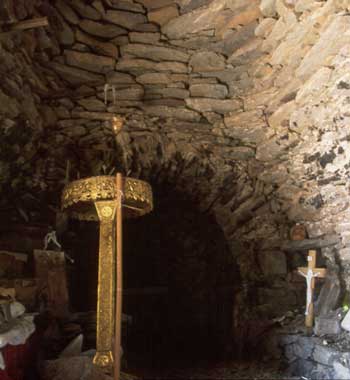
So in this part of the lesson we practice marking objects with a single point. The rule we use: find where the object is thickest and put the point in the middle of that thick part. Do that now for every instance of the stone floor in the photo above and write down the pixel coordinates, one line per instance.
(220, 371)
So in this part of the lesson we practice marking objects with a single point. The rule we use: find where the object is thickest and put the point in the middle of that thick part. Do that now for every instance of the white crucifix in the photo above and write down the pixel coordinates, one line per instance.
(310, 273)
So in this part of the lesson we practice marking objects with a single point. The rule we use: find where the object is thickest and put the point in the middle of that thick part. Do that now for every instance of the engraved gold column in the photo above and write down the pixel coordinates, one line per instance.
(95, 199)
(106, 279)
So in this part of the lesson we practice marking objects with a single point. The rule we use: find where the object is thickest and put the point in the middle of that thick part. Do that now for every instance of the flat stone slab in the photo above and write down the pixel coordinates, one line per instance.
(206, 61)
(74, 75)
(125, 19)
(177, 113)
(98, 47)
(91, 62)
(101, 30)
(325, 241)
(155, 53)
(214, 105)
(217, 91)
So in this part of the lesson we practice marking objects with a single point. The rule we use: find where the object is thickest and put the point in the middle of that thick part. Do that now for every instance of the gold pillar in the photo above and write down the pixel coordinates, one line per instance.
(106, 284)
(95, 199)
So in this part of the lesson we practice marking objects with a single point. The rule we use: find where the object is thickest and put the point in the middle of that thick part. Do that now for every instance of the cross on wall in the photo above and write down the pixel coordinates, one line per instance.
(310, 273)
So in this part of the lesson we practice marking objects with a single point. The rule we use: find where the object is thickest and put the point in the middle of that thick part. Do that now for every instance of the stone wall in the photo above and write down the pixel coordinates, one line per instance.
(314, 357)
(243, 105)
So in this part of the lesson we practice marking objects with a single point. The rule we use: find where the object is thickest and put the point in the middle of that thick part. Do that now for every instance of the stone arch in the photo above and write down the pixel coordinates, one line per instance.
(267, 149)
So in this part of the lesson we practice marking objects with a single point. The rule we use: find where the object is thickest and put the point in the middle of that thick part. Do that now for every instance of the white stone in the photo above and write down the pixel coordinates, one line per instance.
(331, 41)
(268, 8)
(341, 372)
(265, 27)
(16, 309)
(314, 86)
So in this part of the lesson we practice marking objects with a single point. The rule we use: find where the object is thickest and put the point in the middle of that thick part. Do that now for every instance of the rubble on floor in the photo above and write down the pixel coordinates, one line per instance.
(321, 353)
(76, 368)
(317, 358)
(227, 370)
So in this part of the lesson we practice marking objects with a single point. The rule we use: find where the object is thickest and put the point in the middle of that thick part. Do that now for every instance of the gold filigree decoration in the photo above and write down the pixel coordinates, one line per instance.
(96, 198)
(103, 360)
(106, 284)
(78, 196)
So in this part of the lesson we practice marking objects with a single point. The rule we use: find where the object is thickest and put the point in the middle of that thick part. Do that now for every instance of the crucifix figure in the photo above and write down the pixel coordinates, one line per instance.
(310, 273)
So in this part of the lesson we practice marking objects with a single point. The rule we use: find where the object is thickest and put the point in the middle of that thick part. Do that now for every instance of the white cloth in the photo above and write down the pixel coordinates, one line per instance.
(17, 333)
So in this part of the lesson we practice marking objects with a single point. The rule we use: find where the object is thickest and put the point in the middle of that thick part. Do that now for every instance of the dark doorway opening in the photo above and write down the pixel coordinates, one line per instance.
(179, 281)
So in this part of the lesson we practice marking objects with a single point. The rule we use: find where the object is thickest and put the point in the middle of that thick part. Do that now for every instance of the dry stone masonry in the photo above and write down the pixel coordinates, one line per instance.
(241, 104)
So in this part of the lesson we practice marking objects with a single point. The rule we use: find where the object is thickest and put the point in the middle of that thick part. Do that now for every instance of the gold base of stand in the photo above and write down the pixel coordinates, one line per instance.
(103, 359)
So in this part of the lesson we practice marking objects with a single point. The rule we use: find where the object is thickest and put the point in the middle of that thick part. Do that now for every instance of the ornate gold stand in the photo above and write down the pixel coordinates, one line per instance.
(96, 199)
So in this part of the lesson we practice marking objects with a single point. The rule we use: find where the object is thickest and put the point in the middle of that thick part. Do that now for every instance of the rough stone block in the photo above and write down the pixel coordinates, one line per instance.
(305, 367)
(156, 53)
(324, 355)
(92, 104)
(322, 372)
(214, 105)
(126, 5)
(177, 113)
(115, 77)
(190, 5)
(169, 92)
(341, 372)
(64, 33)
(345, 324)
(218, 91)
(207, 61)
(163, 15)
(67, 12)
(74, 75)
(273, 262)
(249, 127)
(268, 8)
(98, 47)
(125, 19)
(134, 92)
(303, 347)
(329, 296)
(139, 66)
(101, 30)
(330, 42)
(144, 37)
(85, 10)
(90, 62)
(153, 78)
(72, 369)
(154, 4)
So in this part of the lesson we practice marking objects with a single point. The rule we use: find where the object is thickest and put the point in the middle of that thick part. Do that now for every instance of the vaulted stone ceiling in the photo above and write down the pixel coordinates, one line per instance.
(242, 104)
